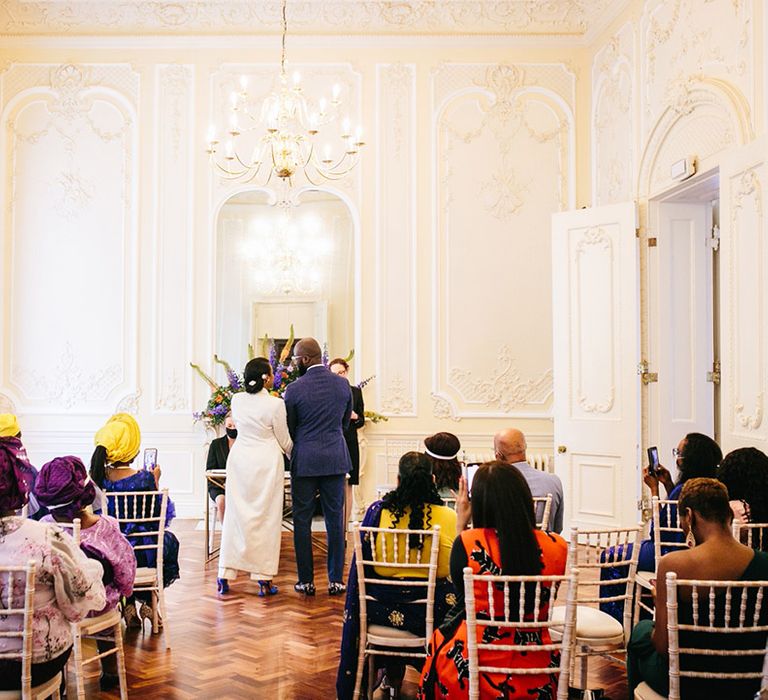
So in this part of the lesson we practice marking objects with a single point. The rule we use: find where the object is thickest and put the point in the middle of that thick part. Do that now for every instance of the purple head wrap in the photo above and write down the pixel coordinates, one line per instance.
(64, 487)
(17, 475)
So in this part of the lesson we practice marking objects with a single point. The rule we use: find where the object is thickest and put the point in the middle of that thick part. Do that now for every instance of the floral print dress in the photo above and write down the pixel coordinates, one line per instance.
(67, 585)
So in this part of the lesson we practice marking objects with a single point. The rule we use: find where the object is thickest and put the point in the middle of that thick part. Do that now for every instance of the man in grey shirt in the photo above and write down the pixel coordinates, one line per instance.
(510, 447)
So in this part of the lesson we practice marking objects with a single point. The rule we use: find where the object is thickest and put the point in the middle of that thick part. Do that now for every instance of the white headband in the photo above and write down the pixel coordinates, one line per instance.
(445, 457)
(69, 503)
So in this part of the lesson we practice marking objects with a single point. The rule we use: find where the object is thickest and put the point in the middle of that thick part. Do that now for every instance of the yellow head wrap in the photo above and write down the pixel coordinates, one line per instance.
(9, 426)
(121, 437)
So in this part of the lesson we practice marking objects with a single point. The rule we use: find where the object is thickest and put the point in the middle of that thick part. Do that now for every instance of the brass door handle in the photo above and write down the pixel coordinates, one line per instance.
(562, 449)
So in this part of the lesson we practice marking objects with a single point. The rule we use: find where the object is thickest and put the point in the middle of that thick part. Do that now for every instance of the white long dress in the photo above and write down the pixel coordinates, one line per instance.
(250, 539)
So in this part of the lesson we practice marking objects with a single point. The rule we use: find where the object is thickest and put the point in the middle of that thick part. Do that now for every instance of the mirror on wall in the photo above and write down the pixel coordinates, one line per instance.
(283, 265)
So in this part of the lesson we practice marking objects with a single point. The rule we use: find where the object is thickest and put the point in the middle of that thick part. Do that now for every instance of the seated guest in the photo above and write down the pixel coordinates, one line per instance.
(443, 451)
(510, 447)
(10, 431)
(117, 445)
(64, 487)
(715, 555)
(67, 584)
(413, 505)
(697, 456)
(504, 540)
(745, 474)
(218, 451)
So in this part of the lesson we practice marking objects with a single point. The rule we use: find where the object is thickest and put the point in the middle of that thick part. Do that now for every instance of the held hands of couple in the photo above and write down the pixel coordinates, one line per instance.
(463, 506)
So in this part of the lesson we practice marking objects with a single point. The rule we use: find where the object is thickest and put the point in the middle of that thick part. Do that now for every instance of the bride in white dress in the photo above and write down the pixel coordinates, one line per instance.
(250, 539)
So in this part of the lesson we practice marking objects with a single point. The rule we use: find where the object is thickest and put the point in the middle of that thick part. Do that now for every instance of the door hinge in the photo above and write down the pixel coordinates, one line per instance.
(714, 375)
(714, 240)
(645, 376)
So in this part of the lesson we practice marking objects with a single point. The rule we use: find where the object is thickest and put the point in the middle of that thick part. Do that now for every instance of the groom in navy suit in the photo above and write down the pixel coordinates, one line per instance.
(318, 404)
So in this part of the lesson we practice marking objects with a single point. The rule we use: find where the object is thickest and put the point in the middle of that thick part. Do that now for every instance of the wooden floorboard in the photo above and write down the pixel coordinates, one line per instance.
(284, 647)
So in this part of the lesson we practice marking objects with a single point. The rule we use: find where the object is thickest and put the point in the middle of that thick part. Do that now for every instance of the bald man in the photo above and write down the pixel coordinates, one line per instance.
(510, 447)
(318, 406)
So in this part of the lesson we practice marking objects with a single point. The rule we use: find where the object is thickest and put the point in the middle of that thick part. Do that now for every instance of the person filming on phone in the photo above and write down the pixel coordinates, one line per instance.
(510, 447)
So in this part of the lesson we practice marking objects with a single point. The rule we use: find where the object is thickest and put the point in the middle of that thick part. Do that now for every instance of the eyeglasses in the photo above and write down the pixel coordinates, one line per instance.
(295, 358)
(677, 453)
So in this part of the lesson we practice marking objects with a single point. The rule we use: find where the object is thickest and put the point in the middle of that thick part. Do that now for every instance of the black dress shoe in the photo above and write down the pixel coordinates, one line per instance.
(107, 681)
(305, 588)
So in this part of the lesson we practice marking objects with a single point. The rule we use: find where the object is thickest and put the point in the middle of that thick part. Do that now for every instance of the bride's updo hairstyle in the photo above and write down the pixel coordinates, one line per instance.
(256, 371)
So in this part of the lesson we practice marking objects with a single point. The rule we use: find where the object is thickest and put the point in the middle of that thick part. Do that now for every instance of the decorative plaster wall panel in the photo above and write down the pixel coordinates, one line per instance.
(71, 144)
(747, 293)
(174, 241)
(492, 123)
(614, 119)
(683, 40)
(396, 239)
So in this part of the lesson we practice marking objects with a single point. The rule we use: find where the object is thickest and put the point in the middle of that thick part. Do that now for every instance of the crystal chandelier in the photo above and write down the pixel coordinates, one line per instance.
(283, 132)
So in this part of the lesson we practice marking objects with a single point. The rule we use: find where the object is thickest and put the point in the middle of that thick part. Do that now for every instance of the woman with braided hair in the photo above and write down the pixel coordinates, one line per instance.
(414, 505)
(745, 474)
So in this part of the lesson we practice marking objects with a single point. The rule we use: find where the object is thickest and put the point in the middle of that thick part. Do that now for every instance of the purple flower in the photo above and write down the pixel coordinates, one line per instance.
(365, 381)
(273, 357)
(220, 410)
(234, 380)
(326, 359)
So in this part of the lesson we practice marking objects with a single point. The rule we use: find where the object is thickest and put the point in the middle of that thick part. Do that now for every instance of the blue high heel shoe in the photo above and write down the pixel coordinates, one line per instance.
(266, 588)
(222, 586)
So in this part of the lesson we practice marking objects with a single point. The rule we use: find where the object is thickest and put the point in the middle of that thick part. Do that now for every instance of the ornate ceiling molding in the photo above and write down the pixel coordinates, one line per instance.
(557, 18)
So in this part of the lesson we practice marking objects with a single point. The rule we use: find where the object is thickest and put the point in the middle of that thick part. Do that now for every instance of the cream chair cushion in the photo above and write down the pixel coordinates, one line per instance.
(645, 692)
(593, 627)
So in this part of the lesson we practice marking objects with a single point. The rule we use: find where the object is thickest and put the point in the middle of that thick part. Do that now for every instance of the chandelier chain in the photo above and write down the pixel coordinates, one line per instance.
(285, 31)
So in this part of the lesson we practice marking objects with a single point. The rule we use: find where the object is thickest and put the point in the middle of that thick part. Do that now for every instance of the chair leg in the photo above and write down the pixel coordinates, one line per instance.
(120, 653)
(371, 676)
(584, 668)
(164, 614)
(77, 649)
(359, 673)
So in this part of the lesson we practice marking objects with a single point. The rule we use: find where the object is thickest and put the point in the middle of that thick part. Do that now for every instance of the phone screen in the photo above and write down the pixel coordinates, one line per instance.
(469, 471)
(150, 458)
(653, 459)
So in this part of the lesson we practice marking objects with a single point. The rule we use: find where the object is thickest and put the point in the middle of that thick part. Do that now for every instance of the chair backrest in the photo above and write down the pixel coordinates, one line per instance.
(13, 579)
(538, 460)
(146, 510)
(543, 505)
(389, 547)
(521, 601)
(722, 609)
(72, 528)
(665, 523)
(606, 549)
(754, 535)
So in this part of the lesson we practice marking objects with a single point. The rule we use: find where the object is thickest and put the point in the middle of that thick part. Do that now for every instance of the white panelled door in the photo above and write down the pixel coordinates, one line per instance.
(683, 335)
(744, 296)
(596, 351)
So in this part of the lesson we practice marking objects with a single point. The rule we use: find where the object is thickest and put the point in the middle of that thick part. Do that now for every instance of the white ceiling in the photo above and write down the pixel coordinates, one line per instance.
(551, 18)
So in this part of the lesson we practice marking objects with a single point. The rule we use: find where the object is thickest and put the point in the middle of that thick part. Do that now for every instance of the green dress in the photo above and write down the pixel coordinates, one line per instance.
(644, 663)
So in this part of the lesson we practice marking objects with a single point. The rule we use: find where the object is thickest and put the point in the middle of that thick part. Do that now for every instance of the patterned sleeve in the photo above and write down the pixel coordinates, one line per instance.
(76, 579)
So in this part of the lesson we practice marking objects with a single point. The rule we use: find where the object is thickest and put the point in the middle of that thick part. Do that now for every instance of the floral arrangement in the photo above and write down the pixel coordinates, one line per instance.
(285, 372)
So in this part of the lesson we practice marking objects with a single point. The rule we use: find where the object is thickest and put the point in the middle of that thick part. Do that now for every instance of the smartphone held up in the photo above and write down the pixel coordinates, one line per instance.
(653, 460)
(150, 458)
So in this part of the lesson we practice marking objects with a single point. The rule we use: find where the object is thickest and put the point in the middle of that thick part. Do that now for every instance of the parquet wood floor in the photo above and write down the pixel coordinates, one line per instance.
(284, 647)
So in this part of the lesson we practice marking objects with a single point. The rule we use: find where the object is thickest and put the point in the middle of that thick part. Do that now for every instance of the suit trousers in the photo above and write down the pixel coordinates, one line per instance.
(303, 490)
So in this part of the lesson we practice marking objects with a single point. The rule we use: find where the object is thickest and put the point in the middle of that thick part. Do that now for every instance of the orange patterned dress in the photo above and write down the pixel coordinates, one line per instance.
(446, 670)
